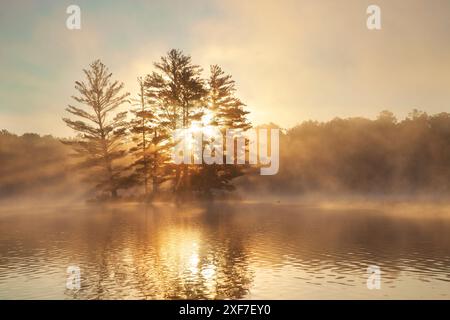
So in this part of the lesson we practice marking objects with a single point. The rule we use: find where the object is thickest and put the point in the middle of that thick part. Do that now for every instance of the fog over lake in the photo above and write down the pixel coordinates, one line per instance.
(223, 250)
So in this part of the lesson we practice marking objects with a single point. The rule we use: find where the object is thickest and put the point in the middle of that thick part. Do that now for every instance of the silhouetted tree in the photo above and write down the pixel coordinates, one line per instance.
(142, 126)
(226, 112)
(178, 89)
(102, 131)
(152, 142)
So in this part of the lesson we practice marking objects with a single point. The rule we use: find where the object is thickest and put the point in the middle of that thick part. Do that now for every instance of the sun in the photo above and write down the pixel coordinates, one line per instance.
(204, 124)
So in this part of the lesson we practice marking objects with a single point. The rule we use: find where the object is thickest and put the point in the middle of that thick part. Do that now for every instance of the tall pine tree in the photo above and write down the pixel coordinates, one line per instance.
(101, 129)
(226, 112)
(150, 127)
(141, 126)
(177, 87)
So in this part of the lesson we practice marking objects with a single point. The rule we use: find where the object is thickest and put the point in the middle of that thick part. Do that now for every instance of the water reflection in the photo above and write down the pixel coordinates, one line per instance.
(221, 251)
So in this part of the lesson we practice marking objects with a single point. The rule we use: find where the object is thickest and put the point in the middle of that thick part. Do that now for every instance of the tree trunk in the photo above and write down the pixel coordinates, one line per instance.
(155, 185)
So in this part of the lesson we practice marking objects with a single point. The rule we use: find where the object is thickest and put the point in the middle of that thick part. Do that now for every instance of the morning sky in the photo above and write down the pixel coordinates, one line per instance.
(292, 60)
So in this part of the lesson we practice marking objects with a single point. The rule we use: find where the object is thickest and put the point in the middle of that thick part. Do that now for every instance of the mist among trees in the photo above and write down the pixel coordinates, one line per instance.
(379, 157)
(123, 144)
(174, 96)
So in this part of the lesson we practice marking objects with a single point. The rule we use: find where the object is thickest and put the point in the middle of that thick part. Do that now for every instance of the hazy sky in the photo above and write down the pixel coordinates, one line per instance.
(292, 60)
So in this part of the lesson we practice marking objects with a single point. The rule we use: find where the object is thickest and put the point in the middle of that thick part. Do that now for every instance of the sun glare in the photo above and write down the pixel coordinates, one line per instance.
(204, 125)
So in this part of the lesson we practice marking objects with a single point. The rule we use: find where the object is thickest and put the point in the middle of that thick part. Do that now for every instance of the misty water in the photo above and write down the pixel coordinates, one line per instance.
(248, 250)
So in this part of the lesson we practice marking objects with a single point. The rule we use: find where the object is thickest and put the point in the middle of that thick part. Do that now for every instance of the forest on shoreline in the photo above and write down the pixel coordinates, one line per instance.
(123, 145)
(343, 156)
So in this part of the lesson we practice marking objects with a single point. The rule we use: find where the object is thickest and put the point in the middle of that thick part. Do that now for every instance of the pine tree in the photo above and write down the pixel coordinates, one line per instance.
(178, 89)
(152, 142)
(160, 151)
(226, 112)
(141, 126)
(102, 130)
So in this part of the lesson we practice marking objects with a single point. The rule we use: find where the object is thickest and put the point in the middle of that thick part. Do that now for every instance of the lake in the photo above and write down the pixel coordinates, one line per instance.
(222, 251)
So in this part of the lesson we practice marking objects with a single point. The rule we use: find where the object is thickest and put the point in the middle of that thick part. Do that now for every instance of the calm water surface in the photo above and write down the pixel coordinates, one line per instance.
(255, 251)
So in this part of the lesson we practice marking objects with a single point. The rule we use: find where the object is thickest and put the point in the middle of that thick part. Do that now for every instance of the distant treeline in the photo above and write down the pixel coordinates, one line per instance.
(355, 155)
(362, 156)
(34, 165)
